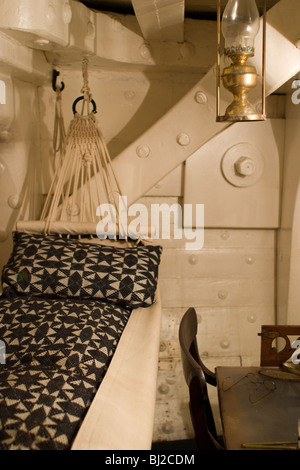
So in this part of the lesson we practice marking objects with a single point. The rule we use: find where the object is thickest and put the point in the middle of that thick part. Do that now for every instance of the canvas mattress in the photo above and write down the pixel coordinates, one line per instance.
(64, 307)
(57, 353)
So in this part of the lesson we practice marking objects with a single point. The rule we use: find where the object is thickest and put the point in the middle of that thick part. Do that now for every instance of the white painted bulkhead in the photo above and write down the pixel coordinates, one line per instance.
(156, 110)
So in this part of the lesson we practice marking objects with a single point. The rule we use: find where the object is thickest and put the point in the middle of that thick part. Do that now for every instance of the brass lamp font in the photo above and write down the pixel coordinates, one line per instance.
(240, 25)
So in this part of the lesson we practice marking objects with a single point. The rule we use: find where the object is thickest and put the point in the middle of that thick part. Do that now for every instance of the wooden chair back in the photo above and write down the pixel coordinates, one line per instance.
(200, 408)
(272, 355)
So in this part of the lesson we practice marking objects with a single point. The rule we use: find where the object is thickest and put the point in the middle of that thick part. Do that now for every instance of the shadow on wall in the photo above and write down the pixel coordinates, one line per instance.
(19, 200)
(164, 90)
(20, 165)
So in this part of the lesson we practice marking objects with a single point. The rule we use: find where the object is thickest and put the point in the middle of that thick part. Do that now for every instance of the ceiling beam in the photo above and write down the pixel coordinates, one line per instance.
(160, 20)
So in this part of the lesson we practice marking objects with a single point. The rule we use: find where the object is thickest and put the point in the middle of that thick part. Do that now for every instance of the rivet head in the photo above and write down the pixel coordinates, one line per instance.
(250, 260)
(143, 151)
(200, 97)
(145, 51)
(14, 201)
(163, 389)
(183, 139)
(167, 428)
(222, 294)
(251, 318)
(225, 235)
(224, 344)
(193, 259)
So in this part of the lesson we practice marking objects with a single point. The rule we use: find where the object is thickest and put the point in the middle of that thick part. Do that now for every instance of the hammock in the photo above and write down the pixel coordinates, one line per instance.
(84, 181)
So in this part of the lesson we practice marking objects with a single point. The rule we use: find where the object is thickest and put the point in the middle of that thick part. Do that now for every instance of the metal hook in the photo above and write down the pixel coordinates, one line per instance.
(55, 74)
(82, 98)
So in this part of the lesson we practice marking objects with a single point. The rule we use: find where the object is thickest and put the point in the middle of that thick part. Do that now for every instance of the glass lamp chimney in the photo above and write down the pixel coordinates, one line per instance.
(240, 25)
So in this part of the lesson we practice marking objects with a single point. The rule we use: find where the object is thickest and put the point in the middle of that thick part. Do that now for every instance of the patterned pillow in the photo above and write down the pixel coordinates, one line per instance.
(57, 267)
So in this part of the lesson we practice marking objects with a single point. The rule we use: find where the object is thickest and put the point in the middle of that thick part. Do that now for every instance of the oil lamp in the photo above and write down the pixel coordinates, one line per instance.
(240, 25)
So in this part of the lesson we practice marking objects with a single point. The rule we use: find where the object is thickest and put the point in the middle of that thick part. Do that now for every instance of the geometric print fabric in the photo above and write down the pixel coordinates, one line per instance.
(57, 267)
(57, 353)
(41, 408)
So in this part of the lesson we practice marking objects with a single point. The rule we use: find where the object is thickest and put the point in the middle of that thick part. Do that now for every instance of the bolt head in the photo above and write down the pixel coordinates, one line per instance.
(244, 166)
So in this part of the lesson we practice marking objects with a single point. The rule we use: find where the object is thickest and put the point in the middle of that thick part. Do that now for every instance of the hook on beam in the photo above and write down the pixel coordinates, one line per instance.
(55, 74)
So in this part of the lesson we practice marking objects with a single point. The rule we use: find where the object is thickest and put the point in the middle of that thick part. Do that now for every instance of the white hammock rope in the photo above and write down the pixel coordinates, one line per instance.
(59, 133)
(85, 179)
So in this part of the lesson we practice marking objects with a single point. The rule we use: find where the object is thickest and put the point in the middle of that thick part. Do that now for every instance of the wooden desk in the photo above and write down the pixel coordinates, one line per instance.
(273, 415)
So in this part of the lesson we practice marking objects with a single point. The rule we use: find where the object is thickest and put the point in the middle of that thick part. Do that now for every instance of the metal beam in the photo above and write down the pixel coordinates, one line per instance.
(192, 121)
(160, 20)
